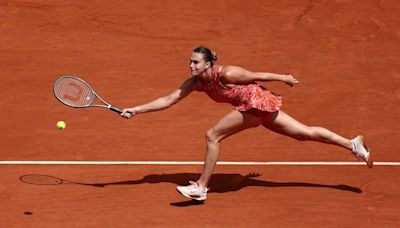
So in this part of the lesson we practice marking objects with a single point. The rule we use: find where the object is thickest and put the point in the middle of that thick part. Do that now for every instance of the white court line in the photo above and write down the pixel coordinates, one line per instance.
(192, 163)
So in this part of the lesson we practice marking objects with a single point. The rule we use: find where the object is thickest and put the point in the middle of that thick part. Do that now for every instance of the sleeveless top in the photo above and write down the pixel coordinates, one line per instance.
(244, 97)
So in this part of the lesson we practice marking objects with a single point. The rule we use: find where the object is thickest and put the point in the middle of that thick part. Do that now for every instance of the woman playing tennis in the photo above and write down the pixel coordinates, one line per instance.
(254, 104)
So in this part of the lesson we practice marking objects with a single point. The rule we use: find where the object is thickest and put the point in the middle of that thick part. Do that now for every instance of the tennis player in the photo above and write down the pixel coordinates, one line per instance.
(255, 106)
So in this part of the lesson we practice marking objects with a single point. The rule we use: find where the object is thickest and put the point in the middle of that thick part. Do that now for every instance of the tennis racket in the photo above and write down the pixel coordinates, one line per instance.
(76, 93)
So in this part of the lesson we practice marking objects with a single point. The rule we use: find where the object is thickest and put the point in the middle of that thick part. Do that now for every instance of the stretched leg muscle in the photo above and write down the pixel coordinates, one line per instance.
(286, 125)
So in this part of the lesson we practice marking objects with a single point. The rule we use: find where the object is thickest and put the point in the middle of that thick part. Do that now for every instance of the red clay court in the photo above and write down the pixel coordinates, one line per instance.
(346, 55)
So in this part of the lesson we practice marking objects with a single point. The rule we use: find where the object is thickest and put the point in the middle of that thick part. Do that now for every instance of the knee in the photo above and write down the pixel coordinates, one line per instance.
(212, 136)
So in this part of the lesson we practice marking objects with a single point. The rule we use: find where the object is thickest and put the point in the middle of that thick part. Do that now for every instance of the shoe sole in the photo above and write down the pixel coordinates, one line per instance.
(369, 161)
(191, 197)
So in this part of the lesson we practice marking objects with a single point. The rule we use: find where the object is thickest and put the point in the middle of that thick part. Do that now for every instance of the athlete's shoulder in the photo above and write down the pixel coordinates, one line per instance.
(194, 83)
(228, 71)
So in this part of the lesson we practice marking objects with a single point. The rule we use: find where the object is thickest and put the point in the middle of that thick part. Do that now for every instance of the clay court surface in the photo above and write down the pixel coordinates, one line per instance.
(346, 55)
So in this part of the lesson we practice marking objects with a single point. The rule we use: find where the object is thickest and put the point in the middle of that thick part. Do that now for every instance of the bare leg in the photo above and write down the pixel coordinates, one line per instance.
(284, 124)
(279, 122)
(230, 124)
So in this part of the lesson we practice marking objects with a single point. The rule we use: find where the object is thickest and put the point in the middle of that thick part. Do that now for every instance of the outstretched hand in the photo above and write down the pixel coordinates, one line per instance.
(128, 113)
(290, 80)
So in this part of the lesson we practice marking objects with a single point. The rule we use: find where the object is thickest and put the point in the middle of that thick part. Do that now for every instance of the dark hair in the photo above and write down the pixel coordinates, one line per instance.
(209, 56)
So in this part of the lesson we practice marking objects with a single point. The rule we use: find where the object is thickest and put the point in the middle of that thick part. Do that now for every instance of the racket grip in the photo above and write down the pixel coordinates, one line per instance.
(115, 109)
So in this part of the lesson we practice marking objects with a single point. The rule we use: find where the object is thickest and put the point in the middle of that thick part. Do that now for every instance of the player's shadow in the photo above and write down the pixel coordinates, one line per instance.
(220, 183)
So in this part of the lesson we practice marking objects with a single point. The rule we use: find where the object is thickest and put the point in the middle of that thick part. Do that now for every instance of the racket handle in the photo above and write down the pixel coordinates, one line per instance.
(115, 109)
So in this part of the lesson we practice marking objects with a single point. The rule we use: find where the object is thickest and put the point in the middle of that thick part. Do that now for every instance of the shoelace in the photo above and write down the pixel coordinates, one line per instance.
(195, 187)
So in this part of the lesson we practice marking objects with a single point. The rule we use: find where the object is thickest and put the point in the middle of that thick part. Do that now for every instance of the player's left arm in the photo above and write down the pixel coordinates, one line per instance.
(239, 75)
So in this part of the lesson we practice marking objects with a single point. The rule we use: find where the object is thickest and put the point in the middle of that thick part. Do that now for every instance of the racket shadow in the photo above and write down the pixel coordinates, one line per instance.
(41, 179)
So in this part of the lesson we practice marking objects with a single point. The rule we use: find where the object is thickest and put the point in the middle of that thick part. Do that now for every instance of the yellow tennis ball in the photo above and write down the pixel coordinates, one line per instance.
(61, 125)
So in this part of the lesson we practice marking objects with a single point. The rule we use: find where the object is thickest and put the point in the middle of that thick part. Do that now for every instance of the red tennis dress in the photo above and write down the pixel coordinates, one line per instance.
(244, 97)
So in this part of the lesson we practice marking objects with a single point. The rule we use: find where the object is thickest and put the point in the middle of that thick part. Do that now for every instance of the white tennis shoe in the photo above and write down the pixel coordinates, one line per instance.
(193, 191)
(361, 150)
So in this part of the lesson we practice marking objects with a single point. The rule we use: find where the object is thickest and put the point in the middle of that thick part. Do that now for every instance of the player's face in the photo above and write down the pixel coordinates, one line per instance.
(198, 66)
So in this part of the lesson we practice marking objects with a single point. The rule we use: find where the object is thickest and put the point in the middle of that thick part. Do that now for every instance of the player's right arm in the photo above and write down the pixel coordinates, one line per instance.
(163, 102)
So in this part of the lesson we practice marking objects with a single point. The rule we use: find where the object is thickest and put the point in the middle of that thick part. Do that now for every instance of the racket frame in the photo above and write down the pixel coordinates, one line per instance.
(105, 104)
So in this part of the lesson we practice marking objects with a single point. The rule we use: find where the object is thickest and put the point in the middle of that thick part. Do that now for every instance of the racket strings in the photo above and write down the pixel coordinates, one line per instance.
(73, 92)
